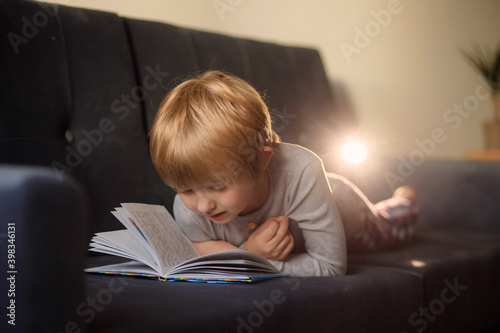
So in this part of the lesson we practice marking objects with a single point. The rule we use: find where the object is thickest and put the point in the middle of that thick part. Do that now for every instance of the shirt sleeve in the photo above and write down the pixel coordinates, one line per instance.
(310, 203)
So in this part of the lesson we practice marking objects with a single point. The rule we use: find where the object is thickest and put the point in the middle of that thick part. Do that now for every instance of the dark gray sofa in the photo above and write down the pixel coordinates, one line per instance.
(78, 92)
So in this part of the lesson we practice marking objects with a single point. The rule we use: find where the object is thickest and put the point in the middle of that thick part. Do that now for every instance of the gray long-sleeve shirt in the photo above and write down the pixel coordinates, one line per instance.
(299, 190)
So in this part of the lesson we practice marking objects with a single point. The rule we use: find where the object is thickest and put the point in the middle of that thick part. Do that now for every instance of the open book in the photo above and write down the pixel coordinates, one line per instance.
(159, 249)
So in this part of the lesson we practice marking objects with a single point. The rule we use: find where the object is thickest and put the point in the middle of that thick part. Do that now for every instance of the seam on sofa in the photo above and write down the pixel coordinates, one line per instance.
(245, 58)
(135, 64)
(188, 33)
(66, 65)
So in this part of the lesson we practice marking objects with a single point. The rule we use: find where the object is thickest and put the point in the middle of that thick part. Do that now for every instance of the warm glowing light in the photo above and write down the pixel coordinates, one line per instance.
(417, 263)
(354, 152)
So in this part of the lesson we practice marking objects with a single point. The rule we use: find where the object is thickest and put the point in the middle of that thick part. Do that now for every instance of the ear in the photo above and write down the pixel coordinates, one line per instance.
(268, 154)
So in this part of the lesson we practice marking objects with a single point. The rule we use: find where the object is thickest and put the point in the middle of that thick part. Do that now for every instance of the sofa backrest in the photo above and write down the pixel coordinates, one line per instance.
(79, 90)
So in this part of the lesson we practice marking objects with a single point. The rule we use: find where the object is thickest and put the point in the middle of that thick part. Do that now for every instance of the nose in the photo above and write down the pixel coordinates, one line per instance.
(204, 204)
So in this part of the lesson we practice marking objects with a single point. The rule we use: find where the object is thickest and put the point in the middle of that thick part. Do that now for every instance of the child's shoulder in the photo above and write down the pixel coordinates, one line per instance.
(288, 155)
(291, 150)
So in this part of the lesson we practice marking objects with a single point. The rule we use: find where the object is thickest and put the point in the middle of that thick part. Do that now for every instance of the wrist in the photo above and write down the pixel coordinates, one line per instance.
(213, 246)
(250, 248)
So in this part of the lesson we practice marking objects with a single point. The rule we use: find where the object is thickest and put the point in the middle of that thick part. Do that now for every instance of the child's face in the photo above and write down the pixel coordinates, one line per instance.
(221, 202)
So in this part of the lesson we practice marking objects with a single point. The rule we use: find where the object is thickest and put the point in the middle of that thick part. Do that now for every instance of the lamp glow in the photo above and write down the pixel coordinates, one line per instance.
(354, 152)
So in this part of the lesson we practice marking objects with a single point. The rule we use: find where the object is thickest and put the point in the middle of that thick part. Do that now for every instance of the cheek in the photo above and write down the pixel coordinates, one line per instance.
(237, 200)
(188, 202)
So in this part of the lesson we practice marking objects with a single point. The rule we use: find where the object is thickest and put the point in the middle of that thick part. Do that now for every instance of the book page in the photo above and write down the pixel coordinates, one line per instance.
(129, 267)
(228, 262)
(121, 214)
(124, 244)
(170, 244)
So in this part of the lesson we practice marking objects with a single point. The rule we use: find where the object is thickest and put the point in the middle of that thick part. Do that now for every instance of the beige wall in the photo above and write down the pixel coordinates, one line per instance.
(404, 75)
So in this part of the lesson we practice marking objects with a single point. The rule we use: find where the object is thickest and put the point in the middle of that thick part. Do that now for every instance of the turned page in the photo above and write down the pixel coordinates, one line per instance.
(170, 245)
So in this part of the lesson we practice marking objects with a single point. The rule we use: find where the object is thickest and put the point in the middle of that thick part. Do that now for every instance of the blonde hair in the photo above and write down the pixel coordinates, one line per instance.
(211, 128)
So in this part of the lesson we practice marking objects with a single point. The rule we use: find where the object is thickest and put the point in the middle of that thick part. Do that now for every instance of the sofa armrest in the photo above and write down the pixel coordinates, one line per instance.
(43, 226)
(451, 193)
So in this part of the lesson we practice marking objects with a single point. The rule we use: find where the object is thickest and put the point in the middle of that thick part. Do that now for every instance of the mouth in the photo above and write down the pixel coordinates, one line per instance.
(217, 217)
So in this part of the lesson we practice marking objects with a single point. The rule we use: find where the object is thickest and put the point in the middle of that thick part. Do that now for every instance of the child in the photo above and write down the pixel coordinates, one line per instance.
(239, 187)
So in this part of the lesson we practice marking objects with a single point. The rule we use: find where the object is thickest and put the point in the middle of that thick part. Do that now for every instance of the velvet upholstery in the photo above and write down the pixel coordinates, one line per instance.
(78, 93)
(50, 220)
(283, 305)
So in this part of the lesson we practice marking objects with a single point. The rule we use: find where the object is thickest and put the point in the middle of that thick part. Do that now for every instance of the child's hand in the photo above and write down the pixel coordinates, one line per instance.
(271, 240)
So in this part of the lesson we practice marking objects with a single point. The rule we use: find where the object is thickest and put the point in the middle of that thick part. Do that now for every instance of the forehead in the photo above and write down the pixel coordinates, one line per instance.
(236, 184)
(195, 185)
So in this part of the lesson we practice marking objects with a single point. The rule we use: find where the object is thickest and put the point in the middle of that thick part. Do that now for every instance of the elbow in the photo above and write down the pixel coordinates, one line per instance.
(339, 270)
(335, 268)
(332, 270)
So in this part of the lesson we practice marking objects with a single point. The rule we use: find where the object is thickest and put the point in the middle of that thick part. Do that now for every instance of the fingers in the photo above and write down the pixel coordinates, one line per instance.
(283, 241)
(283, 226)
(274, 229)
(272, 239)
(281, 232)
(269, 230)
(285, 247)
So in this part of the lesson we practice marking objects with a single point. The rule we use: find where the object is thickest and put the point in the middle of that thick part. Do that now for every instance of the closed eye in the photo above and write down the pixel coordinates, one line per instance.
(185, 192)
(218, 188)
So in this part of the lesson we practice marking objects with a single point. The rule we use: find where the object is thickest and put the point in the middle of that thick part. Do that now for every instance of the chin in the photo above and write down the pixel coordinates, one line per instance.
(228, 218)
(221, 222)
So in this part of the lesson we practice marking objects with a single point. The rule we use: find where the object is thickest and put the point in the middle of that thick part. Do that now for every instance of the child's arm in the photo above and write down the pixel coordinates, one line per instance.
(310, 204)
(272, 240)
(213, 246)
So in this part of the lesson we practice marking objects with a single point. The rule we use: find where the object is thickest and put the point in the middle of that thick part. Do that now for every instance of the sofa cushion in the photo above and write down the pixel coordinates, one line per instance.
(35, 94)
(455, 267)
(70, 100)
(292, 79)
(451, 193)
(107, 115)
(368, 299)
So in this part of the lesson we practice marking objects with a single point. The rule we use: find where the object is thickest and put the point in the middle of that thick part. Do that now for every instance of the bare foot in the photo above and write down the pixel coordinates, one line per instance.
(407, 192)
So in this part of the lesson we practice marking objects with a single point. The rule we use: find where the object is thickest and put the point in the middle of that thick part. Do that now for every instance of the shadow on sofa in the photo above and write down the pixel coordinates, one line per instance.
(78, 93)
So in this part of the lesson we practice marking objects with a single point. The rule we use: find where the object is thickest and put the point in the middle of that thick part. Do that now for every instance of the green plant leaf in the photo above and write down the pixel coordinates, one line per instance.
(487, 66)
(495, 79)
